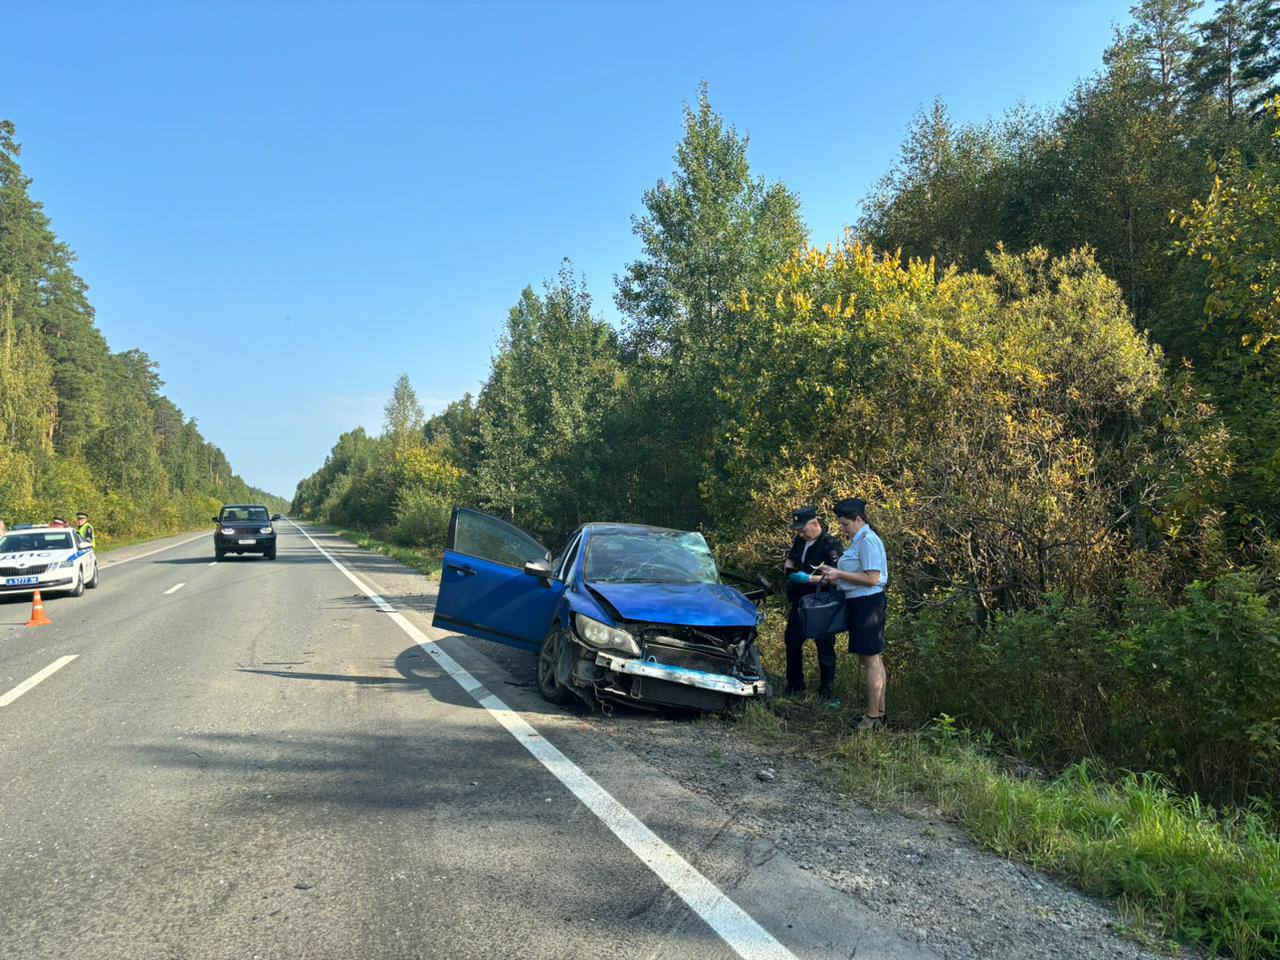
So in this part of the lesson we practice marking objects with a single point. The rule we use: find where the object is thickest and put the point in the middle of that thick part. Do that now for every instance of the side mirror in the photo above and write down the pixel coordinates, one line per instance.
(214, 519)
(538, 568)
(275, 516)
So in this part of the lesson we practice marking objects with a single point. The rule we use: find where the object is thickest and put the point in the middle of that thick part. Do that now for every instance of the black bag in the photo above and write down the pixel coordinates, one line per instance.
(822, 613)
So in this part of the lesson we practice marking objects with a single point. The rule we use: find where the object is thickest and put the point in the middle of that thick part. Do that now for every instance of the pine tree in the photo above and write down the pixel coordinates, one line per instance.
(1220, 63)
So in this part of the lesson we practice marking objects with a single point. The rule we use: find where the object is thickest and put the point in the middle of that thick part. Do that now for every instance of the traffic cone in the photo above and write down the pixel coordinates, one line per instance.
(38, 619)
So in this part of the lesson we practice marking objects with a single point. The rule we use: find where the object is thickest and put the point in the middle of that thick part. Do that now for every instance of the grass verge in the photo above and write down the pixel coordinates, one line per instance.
(426, 562)
(1196, 875)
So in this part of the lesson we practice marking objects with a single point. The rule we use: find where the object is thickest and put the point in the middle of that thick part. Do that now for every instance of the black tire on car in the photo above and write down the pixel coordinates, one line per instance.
(218, 554)
(93, 581)
(270, 554)
(549, 655)
(78, 589)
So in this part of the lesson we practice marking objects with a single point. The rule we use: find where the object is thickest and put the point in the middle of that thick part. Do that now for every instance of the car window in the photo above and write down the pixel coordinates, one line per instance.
(479, 535)
(562, 564)
(250, 514)
(25, 542)
(649, 556)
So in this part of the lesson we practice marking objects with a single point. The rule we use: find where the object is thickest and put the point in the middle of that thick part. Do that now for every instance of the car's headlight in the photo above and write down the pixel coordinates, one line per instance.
(228, 531)
(64, 563)
(264, 529)
(605, 637)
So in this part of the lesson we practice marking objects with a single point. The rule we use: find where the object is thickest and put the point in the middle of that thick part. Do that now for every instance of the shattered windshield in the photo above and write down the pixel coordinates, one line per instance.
(649, 556)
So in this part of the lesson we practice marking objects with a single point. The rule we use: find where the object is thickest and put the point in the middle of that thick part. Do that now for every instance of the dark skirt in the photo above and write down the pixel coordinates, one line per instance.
(866, 624)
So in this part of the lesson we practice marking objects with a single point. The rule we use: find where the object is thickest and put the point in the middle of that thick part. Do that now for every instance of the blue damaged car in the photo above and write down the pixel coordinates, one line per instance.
(623, 613)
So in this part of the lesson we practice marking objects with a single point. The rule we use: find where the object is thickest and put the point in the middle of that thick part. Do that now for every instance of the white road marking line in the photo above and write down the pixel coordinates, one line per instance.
(30, 682)
(174, 589)
(115, 563)
(734, 925)
(213, 563)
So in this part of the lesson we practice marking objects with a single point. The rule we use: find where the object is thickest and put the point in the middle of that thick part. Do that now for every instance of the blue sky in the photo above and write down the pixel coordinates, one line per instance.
(286, 205)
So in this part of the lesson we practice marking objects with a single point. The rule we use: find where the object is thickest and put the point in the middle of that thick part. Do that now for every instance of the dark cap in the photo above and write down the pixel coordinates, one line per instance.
(851, 507)
(803, 516)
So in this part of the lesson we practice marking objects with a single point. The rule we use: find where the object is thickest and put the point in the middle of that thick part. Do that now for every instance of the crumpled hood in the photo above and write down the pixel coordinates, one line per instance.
(689, 604)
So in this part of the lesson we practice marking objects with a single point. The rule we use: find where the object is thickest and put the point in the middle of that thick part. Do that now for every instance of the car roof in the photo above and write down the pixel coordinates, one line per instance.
(609, 527)
(242, 506)
(42, 528)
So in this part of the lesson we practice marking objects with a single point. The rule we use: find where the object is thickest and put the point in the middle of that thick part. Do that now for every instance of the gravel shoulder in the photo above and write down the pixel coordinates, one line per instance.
(915, 871)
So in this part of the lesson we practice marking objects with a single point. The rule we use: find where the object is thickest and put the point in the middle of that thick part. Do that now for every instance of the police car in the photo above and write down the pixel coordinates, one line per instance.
(48, 559)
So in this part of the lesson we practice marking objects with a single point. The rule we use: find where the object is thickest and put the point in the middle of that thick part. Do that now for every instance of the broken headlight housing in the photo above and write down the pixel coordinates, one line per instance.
(604, 637)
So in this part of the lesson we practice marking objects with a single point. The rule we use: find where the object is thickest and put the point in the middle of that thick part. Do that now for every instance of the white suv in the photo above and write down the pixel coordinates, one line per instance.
(48, 559)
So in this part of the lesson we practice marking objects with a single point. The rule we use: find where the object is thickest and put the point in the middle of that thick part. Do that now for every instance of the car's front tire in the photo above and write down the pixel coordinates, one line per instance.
(270, 554)
(78, 589)
(219, 553)
(552, 690)
(93, 581)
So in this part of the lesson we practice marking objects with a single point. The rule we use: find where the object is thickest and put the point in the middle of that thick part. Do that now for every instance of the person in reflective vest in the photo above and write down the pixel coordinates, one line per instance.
(84, 527)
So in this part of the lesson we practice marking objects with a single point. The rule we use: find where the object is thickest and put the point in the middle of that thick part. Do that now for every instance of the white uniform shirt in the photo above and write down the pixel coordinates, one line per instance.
(866, 552)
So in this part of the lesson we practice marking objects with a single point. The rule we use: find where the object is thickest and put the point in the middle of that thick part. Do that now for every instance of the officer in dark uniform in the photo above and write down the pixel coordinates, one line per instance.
(812, 546)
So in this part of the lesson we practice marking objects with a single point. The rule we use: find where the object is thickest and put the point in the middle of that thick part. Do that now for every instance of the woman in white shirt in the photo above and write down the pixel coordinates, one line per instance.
(863, 573)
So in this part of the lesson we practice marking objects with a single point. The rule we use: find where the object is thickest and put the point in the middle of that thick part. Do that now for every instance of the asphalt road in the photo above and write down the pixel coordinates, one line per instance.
(264, 762)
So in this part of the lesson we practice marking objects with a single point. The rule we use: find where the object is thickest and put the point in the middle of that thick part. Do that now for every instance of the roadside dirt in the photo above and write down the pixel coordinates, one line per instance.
(917, 872)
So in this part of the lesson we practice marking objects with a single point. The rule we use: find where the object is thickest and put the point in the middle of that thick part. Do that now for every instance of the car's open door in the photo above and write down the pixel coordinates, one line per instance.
(484, 589)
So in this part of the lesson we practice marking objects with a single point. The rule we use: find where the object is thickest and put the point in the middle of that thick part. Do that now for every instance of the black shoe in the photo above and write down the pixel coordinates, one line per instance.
(792, 691)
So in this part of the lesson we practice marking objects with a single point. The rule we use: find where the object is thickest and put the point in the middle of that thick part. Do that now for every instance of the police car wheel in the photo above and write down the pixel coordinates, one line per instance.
(93, 581)
(78, 589)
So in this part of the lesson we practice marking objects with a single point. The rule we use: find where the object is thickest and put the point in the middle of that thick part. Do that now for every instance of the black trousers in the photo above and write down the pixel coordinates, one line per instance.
(795, 654)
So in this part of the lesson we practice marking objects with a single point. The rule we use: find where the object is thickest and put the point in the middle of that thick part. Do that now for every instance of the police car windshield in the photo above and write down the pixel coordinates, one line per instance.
(28, 542)
(250, 514)
(649, 556)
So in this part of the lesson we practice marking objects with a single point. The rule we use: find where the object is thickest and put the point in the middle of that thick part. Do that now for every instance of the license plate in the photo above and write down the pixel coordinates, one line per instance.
(248, 541)
(15, 581)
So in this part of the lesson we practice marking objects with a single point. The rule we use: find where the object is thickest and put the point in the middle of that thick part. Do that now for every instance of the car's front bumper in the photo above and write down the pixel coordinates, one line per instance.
(703, 680)
(249, 543)
(62, 580)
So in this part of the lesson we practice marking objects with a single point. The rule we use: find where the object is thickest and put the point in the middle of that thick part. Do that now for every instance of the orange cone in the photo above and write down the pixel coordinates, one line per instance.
(38, 619)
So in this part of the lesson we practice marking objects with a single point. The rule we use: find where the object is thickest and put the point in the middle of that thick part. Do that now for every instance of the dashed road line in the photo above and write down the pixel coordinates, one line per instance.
(734, 925)
(30, 682)
(175, 588)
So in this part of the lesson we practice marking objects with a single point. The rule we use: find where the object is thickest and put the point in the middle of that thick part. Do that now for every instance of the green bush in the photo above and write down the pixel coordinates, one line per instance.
(422, 517)
(1191, 690)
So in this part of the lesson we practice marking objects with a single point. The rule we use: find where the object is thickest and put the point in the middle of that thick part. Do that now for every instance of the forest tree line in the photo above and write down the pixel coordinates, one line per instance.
(1046, 354)
(81, 427)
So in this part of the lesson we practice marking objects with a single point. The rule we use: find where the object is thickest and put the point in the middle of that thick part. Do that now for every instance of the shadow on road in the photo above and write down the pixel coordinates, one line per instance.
(417, 602)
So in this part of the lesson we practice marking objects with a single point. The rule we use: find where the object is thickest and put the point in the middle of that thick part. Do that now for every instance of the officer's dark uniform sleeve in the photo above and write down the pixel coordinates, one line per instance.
(833, 549)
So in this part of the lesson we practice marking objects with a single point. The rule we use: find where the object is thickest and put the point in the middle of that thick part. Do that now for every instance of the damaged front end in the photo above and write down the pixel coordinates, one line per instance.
(708, 668)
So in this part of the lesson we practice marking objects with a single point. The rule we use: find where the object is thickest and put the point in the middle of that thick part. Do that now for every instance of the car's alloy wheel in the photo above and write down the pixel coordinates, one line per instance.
(93, 581)
(78, 589)
(548, 665)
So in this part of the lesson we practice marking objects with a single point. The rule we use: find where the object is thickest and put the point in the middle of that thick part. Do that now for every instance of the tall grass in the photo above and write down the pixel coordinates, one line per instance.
(426, 562)
(1205, 877)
